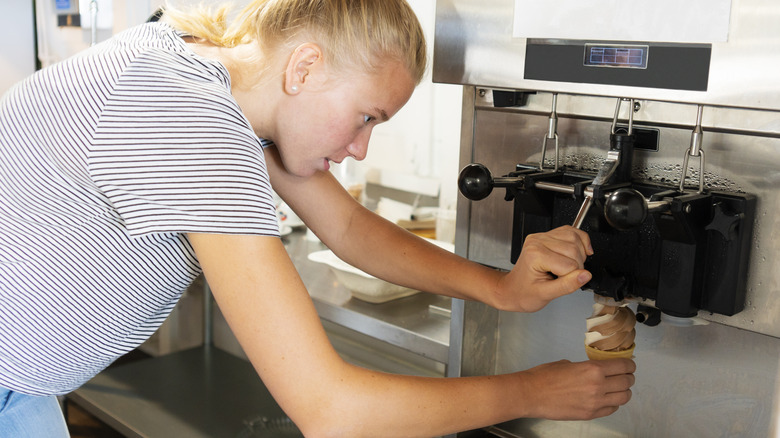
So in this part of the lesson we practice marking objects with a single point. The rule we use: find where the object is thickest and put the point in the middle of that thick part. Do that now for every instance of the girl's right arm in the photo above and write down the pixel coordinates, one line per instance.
(269, 310)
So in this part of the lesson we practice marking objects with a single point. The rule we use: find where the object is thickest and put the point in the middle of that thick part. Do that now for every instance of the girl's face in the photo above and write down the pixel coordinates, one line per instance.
(332, 119)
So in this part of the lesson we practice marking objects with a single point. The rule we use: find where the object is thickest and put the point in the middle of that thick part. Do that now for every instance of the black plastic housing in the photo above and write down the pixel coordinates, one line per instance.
(693, 256)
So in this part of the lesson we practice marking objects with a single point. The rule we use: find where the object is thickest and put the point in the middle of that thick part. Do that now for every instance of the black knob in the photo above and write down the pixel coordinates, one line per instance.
(625, 209)
(727, 224)
(475, 182)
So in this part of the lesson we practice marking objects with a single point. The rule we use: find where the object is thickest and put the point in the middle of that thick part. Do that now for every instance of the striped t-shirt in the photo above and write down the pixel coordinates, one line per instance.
(106, 160)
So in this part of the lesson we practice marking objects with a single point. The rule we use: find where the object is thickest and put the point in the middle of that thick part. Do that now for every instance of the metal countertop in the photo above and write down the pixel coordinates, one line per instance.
(201, 392)
(419, 323)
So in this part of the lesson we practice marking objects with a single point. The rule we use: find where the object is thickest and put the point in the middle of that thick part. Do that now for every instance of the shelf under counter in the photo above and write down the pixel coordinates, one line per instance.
(419, 323)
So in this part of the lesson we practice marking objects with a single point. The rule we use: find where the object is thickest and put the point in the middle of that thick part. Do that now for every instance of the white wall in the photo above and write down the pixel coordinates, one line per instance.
(56, 43)
(17, 52)
(423, 138)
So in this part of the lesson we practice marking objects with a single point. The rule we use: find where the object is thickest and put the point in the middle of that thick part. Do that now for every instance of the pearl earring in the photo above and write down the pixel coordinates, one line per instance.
(294, 88)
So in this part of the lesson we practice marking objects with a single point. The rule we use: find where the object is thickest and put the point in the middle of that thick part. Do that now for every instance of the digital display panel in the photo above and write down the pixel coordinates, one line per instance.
(620, 56)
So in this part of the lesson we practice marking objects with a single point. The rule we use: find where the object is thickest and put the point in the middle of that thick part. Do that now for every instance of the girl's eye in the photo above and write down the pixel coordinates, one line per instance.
(367, 118)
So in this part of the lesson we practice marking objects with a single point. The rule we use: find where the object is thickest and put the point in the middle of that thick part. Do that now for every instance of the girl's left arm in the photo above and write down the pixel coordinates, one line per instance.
(550, 265)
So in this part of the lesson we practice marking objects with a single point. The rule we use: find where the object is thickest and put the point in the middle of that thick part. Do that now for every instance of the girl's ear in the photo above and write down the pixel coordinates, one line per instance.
(305, 63)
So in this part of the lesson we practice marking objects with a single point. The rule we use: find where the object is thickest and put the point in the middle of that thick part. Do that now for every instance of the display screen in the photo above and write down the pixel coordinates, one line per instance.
(621, 56)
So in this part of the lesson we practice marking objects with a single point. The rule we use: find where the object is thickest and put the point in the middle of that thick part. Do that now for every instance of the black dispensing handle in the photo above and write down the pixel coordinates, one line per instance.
(625, 209)
(475, 182)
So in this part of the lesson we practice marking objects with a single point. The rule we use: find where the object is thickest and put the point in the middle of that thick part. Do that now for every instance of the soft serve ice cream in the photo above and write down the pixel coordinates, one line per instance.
(610, 332)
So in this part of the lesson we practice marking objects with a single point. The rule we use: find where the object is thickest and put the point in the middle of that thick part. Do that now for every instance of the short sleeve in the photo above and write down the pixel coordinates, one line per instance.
(173, 153)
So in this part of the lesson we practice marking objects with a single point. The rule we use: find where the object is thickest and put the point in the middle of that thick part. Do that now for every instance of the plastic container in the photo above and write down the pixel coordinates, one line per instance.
(364, 286)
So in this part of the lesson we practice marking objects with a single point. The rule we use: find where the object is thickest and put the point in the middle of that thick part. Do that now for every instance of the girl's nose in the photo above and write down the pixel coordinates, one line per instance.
(358, 149)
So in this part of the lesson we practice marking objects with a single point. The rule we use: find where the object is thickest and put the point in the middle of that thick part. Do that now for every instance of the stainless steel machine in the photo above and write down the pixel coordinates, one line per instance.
(663, 142)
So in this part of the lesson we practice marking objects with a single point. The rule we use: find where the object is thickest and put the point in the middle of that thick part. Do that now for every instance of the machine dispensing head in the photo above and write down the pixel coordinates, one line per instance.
(617, 164)
(677, 250)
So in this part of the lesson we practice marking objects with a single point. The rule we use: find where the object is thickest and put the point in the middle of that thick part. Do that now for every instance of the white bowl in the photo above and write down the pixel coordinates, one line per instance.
(364, 286)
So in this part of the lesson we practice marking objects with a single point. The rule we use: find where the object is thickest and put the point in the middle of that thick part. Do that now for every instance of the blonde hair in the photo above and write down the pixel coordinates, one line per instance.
(351, 33)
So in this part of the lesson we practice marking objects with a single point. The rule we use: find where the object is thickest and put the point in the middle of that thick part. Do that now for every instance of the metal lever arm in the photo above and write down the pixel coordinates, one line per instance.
(610, 165)
(552, 134)
(476, 182)
(605, 173)
(584, 208)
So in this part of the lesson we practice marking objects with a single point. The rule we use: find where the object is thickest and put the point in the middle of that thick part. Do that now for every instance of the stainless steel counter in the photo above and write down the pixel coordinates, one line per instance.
(201, 392)
(418, 323)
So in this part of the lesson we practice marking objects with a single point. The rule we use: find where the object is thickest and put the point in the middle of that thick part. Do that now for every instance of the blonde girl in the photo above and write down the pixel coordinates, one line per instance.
(156, 159)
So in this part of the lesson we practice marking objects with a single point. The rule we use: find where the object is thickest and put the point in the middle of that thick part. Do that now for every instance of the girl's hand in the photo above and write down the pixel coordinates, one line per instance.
(550, 265)
(565, 390)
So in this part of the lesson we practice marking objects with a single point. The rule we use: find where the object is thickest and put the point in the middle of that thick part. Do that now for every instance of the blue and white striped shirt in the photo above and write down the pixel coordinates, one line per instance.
(106, 161)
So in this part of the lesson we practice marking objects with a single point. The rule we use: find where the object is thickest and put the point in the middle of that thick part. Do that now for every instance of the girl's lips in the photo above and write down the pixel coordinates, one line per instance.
(326, 165)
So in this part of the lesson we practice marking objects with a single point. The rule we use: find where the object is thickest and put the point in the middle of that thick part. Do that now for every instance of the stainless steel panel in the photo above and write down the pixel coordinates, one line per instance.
(705, 380)
(735, 162)
(474, 46)
(700, 381)
(718, 379)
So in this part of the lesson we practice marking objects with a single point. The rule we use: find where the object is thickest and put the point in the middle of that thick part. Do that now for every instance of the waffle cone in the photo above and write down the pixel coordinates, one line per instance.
(596, 354)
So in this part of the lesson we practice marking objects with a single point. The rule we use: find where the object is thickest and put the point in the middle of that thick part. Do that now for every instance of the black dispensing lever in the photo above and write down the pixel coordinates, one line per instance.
(617, 166)
(626, 208)
(605, 173)
(476, 183)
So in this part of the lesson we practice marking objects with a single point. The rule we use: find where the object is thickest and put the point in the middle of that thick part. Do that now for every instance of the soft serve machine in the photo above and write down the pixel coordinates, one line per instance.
(655, 128)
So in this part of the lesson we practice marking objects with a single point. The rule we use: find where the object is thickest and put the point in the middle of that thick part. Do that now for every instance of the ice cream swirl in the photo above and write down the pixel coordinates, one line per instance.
(610, 328)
